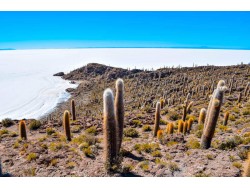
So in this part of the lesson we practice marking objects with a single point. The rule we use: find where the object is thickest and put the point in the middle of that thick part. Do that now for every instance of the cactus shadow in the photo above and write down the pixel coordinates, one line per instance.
(134, 157)
(130, 174)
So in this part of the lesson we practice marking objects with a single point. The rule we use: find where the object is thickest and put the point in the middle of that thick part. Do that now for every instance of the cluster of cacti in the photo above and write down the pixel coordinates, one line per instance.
(113, 123)
(212, 115)
(66, 124)
(170, 128)
(22, 130)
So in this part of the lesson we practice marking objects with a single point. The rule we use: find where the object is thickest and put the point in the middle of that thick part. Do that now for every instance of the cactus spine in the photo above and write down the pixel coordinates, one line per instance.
(226, 115)
(157, 118)
(202, 116)
(212, 116)
(73, 109)
(66, 124)
(109, 126)
(22, 130)
(119, 112)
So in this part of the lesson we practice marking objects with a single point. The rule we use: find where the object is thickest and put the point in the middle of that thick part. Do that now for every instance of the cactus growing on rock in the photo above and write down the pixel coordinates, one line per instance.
(73, 110)
(109, 128)
(119, 112)
(202, 116)
(66, 124)
(22, 130)
(212, 115)
(157, 118)
(226, 115)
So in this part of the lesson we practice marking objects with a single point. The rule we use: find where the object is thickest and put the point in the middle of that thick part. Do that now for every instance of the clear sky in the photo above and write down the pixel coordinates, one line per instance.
(27, 30)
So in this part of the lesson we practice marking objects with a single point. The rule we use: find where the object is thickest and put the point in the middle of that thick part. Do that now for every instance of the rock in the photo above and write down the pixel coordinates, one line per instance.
(59, 74)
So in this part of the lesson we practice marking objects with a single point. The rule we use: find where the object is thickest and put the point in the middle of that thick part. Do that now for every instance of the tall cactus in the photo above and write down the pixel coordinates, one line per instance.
(202, 116)
(212, 115)
(157, 118)
(190, 123)
(226, 115)
(185, 105)
(66, 124)
(119, 112)
(185, 126)
(73, 109)
(22, 130)
(109, 128)
(170, 128)
(180, 126)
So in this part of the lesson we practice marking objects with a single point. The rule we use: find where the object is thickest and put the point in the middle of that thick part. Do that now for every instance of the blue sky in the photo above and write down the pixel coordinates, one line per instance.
(27, 30)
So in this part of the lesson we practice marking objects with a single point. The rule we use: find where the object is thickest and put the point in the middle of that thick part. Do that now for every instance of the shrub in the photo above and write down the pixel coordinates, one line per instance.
(147, 147)
(7, 122)
(71, 165)
(193, 143)
(246, 111)
(50, 131)
(146, 128)
(131, 132)
(91, 130)
(34, 125)
(237, 165)
(156, 153)
(144, 165)
(31, 156)
(136, 122)
(174, 116)
(172, 166)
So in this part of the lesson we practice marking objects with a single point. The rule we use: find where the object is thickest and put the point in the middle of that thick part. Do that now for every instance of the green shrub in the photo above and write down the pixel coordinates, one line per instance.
(91, 130)
(31, 156)
(7, 122)
(193, 143)
(34, 125)
(50, 131)
(131, 132)
(146, 128)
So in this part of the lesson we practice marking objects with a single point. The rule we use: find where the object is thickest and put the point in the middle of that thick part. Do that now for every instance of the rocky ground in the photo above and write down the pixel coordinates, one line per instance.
(47, 153)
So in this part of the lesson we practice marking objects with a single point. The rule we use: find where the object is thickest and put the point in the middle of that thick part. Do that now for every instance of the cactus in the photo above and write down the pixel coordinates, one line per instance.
(185, 127)
(109, 126)
(202, 116)
(162, 103)
(119, 112)
(159, 134)
(246, 172)
(180, 126)
(246, 88)
(189, 106)
(157, 118)
(226, 115)
(190, 123)
(185, 107)
(239, 98)
(170, 128)
(22, 130)
(73, 109)
(212, 115)
(66, 124)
